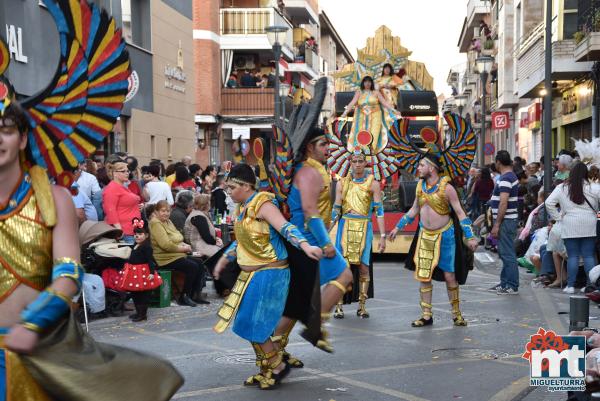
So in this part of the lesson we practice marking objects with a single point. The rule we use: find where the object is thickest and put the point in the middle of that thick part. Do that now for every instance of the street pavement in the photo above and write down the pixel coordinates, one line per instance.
(381, 358)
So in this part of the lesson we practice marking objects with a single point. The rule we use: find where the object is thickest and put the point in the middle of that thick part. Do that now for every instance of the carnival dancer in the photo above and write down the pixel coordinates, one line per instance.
(310, 207)
(45, 354)
(257, 300)
(388, 84)
(357, 195)
(437, 248)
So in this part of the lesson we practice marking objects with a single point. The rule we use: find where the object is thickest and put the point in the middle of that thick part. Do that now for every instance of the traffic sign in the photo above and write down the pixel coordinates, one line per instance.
(489, 149)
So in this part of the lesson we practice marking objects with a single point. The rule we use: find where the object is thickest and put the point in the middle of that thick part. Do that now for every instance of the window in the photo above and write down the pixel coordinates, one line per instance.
(169, 150)
(569, 19)
(135, 19)
(152, 146)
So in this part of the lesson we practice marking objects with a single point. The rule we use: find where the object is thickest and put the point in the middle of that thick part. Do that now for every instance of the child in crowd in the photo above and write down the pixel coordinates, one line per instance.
(139, 276)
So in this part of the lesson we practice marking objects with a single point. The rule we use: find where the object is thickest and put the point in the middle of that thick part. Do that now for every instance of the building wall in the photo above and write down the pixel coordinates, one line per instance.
(171, 126)
(207, 57)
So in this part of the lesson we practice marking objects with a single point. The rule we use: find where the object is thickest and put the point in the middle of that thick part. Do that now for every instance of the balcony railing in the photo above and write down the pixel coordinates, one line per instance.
(247, 101)
(253, 21)
(528, 40)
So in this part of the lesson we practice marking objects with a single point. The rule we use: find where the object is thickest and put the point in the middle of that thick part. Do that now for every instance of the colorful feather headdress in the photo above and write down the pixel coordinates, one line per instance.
(71, 117)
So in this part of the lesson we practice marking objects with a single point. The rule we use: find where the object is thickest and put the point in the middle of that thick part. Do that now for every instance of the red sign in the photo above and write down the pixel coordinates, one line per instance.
(500, 120)
(535, 115)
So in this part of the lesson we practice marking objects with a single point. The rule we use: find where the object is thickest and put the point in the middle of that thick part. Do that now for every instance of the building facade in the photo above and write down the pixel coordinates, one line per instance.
(514, 36)
(230, 42)
(158, 119)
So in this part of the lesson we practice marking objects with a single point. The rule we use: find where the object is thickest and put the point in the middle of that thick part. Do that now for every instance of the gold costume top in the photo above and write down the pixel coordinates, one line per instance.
(26, 241)
(357, 196)
(435, 197)
(370, 116)
(255, 247)
(390, 94)
(324, 202)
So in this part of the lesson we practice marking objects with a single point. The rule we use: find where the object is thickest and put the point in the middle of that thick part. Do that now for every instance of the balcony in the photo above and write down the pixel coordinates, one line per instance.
(589, 48)
(303, 11)
(477, 10)
(247, 101)
(310, 66)
(244, 29)
(531, 64)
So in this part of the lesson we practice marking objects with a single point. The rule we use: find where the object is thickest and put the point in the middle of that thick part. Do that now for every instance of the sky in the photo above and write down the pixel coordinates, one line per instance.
(428, 28)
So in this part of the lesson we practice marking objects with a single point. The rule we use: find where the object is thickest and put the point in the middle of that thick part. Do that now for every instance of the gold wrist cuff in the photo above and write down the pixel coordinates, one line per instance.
(32, 327)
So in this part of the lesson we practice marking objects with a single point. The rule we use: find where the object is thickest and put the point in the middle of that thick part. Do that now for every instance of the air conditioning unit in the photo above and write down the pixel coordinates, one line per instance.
(244, 61)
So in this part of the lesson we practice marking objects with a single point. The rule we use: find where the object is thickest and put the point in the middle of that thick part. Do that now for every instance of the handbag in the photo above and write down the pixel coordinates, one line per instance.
(597, 220)
(71, 366)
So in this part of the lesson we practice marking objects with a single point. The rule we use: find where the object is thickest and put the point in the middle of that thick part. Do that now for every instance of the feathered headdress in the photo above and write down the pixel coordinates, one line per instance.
(71, 117)
(589, 151)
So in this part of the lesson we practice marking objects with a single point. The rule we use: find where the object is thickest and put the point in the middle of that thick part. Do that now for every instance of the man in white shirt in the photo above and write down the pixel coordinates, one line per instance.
(88, 184)
(84, 207)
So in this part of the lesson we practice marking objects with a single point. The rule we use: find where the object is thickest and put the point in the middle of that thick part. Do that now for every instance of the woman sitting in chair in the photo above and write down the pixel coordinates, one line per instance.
(199, 230)
(171, 253)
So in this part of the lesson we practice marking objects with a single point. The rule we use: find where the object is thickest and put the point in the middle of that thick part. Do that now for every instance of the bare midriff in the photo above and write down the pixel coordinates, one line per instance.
(430, 220)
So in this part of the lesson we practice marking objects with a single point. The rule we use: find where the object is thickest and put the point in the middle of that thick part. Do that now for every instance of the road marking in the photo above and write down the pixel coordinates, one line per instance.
(180, 340)
(514, 390)
(484, 256)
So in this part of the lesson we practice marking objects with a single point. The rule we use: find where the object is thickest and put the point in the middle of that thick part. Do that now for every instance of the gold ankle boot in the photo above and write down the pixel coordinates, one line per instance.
(339, 312)
(453, 296)
(323, 343)
(362, 297)
(426, 318)
(282, 342)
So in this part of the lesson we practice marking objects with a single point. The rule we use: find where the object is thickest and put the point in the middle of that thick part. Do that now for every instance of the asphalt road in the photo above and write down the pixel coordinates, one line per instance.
(381, 358)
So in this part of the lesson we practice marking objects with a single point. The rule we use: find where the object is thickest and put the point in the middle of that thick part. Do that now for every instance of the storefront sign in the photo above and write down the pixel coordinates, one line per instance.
(576, 99)
(133, 84)
(500, 120)
(14, 40)
(534, 114)
(524, 122)
(175, 73)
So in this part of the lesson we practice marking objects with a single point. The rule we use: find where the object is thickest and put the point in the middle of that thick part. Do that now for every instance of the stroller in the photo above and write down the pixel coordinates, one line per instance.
(103, 255)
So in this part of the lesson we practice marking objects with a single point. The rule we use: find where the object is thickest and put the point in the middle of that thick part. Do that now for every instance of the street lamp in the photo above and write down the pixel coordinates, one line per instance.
(284, 91)
(461, 101)
(276, 34)
(484, 66)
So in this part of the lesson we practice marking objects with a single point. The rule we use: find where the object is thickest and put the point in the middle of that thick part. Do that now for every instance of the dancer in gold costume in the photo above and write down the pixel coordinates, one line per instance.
(44, 353)
(357, 195)
(258, 298)
(372, 113)
(388, 84)
(435, 200)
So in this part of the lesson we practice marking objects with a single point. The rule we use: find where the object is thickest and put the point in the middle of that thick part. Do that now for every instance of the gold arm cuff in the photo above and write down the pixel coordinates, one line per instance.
(32, 327)
(61, 295)
(66, 259)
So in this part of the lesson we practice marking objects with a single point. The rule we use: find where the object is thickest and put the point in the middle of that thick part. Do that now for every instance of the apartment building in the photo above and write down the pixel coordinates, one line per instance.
(230, 40)
(516, 41)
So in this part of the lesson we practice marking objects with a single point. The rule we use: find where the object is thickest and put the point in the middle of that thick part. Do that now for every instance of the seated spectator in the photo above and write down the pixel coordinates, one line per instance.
(208, 177)
(154, 189)
(199, 230)
(219, 196)
(170, 253)
(184, 203)
(183, 180)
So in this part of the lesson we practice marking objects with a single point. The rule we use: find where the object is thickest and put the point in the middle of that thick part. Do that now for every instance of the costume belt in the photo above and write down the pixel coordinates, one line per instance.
(231, 305)
(354, 236)
(427, 254)
(20, 385)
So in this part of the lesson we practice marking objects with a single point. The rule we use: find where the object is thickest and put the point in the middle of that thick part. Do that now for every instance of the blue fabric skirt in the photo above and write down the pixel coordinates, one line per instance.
(331, 268)
(3, 331)
(447, 251)
(365, 257)
(262, 305)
